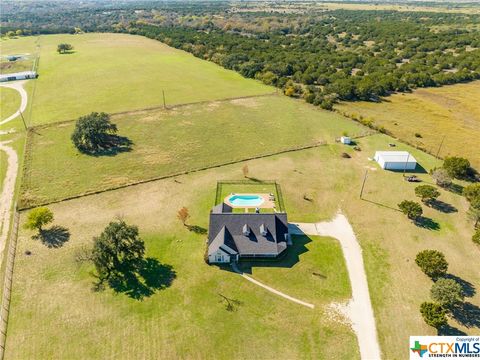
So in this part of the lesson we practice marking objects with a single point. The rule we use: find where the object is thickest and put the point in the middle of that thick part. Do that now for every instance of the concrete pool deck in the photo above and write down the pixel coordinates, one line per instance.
(267, 203)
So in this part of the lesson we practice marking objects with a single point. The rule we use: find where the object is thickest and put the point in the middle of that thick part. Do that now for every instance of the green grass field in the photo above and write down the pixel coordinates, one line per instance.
(82, 324)
(8, 67)
(55, 314)
(168, 142)
(9, 102)
(118, 72)
(450, 111)
(52, 295)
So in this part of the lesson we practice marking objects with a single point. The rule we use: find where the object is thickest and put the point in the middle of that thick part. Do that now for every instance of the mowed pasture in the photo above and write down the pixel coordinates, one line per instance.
(9, 102)
(54, 312)
(119, 72)
(451, 111)
(167, 142)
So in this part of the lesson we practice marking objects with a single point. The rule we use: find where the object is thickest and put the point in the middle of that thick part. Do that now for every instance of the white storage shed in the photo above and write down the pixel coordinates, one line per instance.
(346, 140)
(18, 76)
(395, 160)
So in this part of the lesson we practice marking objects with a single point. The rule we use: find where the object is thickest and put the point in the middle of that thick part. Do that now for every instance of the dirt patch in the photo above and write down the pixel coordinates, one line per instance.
(250, 102)
(212, 106)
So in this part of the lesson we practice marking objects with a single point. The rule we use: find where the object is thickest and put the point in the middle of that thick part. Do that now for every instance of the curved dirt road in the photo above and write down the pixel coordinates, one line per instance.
(8, 190)
(8, 187)
(359, 309)
(17, 85)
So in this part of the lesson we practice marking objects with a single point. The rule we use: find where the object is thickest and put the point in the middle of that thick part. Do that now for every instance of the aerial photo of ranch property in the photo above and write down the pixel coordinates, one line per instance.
(239, 179)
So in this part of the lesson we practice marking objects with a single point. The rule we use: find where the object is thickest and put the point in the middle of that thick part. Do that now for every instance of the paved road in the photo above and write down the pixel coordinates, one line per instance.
(359, 309)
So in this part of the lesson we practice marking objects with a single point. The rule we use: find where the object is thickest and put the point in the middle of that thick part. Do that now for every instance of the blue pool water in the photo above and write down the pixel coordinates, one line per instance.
(245, 200)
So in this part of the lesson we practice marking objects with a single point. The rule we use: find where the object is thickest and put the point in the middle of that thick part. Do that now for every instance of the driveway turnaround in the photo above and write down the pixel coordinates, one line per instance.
(359, 309)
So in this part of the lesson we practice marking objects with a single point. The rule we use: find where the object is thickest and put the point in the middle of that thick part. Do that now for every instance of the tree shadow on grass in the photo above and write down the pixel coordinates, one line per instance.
(448, 330)
(427, 223)
(442, 206)
(196, 229)
(115, 144)
(54, 237)
(143, 278)
(254, 179)
(467, 287)
(455, 188)
(467, 314)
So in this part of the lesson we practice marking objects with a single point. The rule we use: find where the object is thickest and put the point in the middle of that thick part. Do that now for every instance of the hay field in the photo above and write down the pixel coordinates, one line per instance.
(451, 111)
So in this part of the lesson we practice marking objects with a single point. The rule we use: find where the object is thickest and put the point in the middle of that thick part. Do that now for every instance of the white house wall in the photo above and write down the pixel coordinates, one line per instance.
(219, 256)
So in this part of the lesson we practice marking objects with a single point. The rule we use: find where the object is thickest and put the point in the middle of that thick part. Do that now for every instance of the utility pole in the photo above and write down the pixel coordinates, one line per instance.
(441, 143)
(363, 184)
(23, 119)
(164, 104)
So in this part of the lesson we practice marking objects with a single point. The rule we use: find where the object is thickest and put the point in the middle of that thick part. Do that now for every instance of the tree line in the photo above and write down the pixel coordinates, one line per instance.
(348, 55)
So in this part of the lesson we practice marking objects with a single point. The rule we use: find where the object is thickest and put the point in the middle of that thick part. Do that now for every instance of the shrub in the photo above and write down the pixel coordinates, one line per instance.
(472, 192)
(427, 193)
(447, 292)
(476, 237)
(457, 167)
(441, 177)
(433, 314)
(183, 215)
(39, 217)
(410, 208)
(432, 263)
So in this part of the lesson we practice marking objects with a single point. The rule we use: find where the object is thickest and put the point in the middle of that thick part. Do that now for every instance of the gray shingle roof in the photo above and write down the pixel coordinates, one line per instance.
(227, 228)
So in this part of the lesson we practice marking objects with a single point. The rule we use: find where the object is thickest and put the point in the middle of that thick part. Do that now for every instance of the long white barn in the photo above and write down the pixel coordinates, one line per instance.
(395, 160)
(18, 76)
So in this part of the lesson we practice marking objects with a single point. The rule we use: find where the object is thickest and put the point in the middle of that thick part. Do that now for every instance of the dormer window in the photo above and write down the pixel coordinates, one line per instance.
(263, 230)
(246, 230)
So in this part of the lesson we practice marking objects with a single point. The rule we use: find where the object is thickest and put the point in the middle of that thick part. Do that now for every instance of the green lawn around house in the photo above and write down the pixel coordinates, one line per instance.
(120, 72)
(53, 293)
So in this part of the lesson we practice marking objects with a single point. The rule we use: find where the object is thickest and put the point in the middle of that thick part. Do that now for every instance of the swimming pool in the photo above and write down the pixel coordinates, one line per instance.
(246, 200)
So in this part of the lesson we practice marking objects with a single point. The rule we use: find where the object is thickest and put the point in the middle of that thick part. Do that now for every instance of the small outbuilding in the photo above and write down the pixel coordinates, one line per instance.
(18, 76)
(395, 160)
(346, 140)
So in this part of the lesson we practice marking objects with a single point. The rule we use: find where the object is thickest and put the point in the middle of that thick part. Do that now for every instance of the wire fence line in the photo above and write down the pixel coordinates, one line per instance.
(278, 196)
(7, 282)
(26, 173)
(23, 207)
(159, 107)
